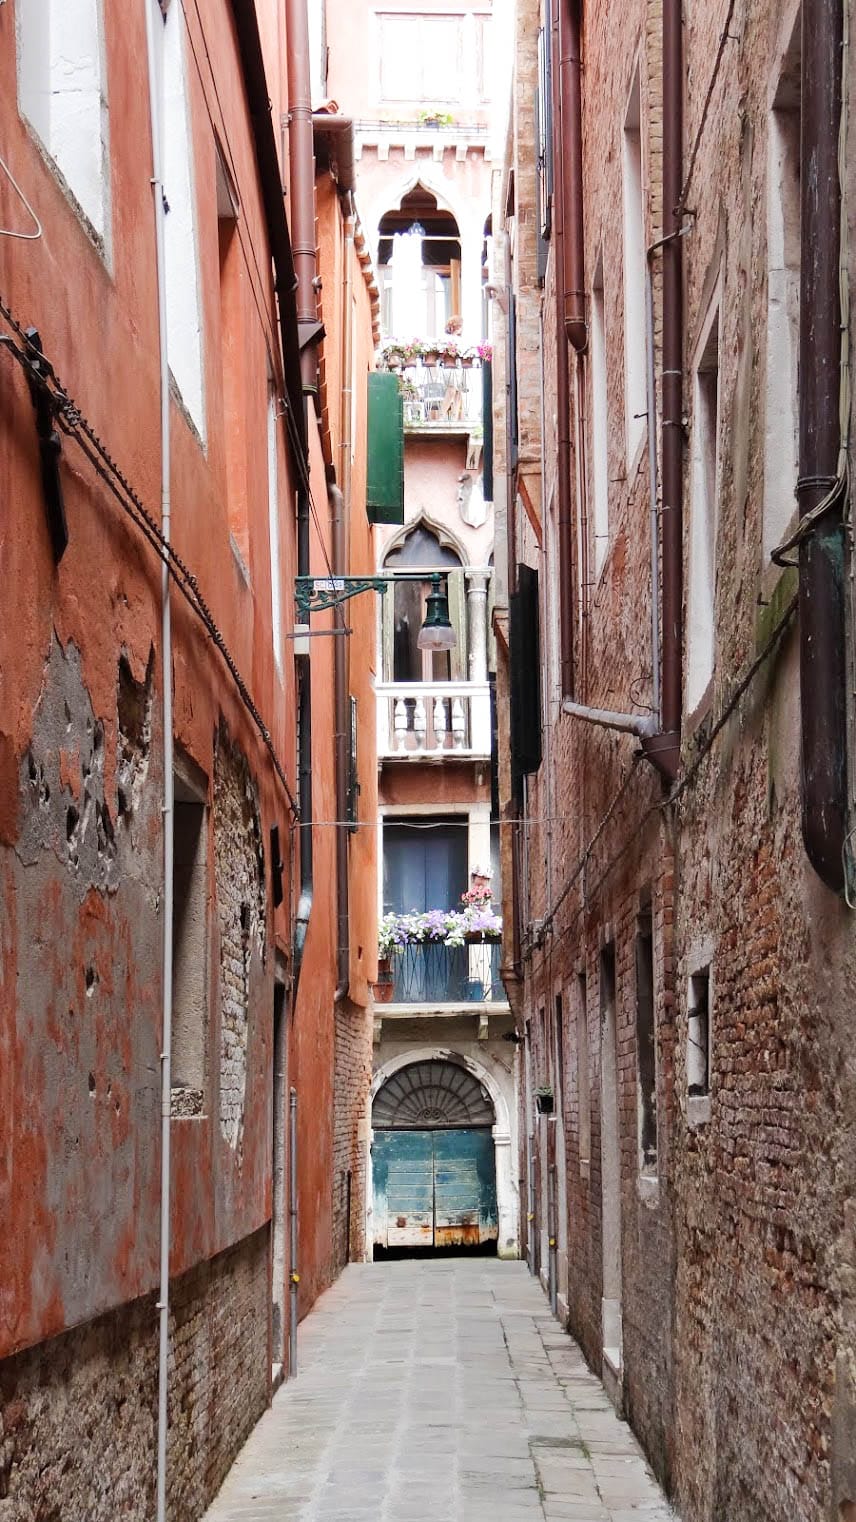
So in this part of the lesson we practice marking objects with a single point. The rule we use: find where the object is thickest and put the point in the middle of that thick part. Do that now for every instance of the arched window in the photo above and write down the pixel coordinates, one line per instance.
(419, 265)
(404, 612)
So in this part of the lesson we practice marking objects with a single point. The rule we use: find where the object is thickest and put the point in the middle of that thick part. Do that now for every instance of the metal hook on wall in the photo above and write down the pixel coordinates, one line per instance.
(10, 232)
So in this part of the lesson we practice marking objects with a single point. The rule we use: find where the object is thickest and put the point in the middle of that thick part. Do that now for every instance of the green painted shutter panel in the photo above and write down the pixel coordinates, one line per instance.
(385, 486)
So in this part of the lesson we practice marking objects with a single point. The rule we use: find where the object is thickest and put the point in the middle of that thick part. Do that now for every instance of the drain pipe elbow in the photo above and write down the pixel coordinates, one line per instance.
(643, 725)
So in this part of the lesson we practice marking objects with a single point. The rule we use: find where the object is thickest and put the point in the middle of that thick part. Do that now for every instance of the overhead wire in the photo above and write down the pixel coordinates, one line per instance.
(661, 805)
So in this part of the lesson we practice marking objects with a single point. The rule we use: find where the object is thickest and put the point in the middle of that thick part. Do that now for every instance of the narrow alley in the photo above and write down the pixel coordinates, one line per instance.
(439, 1389)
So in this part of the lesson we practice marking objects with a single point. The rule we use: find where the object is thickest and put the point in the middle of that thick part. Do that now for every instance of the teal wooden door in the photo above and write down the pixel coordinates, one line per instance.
(403, 1187)
(434, 1188)
(464, 1188)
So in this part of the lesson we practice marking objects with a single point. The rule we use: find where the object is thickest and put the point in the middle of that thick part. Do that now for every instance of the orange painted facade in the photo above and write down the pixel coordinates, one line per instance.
(81, 728)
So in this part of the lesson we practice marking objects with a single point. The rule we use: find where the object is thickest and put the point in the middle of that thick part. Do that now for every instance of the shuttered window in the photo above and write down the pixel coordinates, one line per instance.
(525, 651)
(385, 482)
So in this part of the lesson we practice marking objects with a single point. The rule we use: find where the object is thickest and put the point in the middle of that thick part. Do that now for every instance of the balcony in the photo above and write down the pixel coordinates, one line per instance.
(421, 721)
(441, 387)
(432, 973)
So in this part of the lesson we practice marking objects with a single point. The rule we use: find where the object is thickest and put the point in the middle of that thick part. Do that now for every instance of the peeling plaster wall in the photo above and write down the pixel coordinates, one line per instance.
(78, 1414)
(81, 832)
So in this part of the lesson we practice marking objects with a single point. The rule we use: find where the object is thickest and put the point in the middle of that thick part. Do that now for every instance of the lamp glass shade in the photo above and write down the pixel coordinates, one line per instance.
(437, 632)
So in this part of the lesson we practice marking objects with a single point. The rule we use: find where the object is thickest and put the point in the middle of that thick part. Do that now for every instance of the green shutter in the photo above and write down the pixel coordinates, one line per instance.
(385, 487)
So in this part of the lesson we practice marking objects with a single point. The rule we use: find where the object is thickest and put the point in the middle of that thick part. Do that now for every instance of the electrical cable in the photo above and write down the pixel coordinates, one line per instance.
(76, 426)
(661, 805)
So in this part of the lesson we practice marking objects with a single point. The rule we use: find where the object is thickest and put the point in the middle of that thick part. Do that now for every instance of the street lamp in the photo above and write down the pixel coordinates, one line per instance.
(437, 632)
(315, 594)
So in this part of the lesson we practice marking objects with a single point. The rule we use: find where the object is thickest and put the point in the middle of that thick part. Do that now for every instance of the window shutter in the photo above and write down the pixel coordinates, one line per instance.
(385, 483)
(525, 652)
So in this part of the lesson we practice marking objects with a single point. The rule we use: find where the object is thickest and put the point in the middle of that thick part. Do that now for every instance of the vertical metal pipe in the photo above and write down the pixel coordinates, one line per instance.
(294, 1275)
(301, 154)
(567, 609)
(154, 59)
(822, 551)
(552, 1218)
(340, 523)
(668, 744)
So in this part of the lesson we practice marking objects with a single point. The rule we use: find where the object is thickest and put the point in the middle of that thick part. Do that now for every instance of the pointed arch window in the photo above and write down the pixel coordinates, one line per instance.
(405, 608)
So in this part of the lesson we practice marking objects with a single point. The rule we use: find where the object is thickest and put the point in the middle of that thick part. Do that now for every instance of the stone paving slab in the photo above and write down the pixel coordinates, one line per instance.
(439, 1391)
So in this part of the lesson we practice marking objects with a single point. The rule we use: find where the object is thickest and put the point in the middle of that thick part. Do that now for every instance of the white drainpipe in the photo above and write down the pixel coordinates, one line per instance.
(155, 55)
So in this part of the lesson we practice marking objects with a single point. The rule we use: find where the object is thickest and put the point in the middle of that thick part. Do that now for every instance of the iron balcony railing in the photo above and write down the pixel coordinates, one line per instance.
(429, 972)
(439, 392)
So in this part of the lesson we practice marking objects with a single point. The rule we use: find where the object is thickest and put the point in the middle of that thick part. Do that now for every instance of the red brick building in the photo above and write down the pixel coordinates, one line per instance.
(678, 811)
(168, 859)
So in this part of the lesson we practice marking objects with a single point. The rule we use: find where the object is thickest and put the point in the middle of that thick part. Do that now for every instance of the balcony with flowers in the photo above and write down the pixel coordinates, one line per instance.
(441, 382)
(442, 956)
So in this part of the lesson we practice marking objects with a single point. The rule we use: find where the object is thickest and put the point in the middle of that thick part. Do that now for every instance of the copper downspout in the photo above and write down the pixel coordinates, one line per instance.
(665, 748)
(301, 158)
(821, 560)
(571, 326)
(301, 154)
(340, 501)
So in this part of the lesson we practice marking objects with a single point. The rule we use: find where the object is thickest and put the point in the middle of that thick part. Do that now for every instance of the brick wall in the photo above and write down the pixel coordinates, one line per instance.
(78, 1414)
(351, 1083)
(239, 869)
(737, 1265)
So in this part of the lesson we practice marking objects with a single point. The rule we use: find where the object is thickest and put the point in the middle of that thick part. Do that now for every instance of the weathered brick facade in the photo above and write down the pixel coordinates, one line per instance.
(78, 1413)
(734, 1268)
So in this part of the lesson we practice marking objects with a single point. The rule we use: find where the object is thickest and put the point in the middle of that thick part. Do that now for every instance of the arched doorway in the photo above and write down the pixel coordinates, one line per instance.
(433, 1159)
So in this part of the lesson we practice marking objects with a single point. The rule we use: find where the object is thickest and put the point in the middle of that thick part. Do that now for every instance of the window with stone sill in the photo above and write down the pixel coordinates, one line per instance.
(646, 1042)
(62, 94)
(701, 592)
(699, 1039)
(189, 946)
(783, 295)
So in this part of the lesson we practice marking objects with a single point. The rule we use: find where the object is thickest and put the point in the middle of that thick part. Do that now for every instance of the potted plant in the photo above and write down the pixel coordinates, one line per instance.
(544, 1099)
(434, 118)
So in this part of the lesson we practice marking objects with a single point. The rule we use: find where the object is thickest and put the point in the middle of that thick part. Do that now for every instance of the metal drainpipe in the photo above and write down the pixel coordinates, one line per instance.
(302, 167)
(340, 502)
(822, 551)
(665, 748)
(155, 80)
(563, 392)
(294, 1275)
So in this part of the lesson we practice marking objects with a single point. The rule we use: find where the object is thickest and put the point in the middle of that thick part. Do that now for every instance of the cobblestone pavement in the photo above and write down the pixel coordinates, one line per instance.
(439, 1391)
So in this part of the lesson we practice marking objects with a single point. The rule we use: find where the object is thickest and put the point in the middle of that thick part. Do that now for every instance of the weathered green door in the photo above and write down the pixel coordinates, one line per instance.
(434, 1188)
(403, 1177)
(464, 1188)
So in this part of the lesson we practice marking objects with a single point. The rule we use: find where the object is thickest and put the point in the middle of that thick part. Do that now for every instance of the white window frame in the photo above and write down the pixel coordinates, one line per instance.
(704, 511)
(181, 242)
(783, 295)
(599, 422)
(62, 95)
(633, 206)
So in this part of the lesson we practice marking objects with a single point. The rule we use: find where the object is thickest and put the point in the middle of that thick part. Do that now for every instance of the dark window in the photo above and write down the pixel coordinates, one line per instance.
(189, 941)
(698, 1034)
(525, 652)
(646, 1042)
(424, 865)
